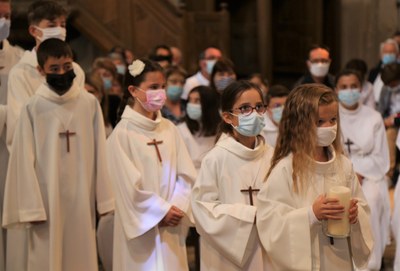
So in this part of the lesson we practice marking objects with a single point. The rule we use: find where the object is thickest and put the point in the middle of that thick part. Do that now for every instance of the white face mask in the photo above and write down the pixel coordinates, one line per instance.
(210, 65)
(326, 135)
(319, 69)
(57, 32)
(4, 28)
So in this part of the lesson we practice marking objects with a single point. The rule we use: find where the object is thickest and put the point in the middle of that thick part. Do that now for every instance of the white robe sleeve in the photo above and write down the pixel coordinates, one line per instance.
(17, 97)
(22, 197)
(225, 226)
(139, 210)
(376, 164)
(361, 234)
(283, 228)
(186, 174)
(104, 190)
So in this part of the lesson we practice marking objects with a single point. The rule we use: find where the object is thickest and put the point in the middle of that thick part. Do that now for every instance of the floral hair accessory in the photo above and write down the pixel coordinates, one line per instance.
(136, 67)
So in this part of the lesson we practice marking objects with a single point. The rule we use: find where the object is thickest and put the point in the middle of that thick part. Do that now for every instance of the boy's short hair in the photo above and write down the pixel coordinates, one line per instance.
(45, 10)
(277, 91)
(52, 48)
(390, 73)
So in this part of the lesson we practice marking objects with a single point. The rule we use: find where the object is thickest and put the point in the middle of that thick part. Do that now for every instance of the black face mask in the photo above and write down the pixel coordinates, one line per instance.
(60, 83)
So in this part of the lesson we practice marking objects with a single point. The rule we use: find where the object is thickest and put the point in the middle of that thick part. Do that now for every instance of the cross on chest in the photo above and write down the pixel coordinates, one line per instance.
(250, 191)
(155, 144)
(67, 134)
(349, 143)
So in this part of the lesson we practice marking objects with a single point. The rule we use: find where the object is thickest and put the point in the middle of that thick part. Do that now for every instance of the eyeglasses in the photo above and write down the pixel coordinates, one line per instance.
(248, 109)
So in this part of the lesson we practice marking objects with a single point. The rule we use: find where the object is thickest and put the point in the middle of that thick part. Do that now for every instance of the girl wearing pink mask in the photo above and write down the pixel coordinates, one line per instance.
(152, 174)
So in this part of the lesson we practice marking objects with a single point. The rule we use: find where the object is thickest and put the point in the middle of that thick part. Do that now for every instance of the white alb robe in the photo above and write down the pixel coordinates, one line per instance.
(367, 95)
(223, 214)
(145, 189)
(24, 80)
(9, 56)
(270, 131)
(395, 223)
(369, 153)
(63, 189)
(290, 239)
(197, 145)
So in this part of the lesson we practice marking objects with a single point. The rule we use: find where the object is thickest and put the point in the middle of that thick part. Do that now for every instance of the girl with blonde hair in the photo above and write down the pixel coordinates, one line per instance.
(293, 205)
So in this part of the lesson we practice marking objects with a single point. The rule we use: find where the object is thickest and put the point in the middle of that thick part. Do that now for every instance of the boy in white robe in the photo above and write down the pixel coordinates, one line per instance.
(57, 176)
(224, 197)
(365, 143)
(276, 98)
(293, 206)
(47, 19)
(9, 56)
(152, 175)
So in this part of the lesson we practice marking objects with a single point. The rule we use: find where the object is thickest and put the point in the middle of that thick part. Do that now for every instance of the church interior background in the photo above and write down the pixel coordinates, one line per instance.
(270, 37)
(266, 36)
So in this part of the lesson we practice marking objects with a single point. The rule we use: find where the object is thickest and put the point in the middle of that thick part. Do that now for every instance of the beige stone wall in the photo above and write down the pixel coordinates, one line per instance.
(364, 25)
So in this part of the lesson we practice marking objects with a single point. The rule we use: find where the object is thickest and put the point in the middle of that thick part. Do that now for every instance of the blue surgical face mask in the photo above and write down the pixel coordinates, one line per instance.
(277, 114)
(250, 125)
(349, 96)
(174, 92)
(388, 58)
(107, 83)
(194, 111)
(4, 28)
(210, 65)
(223, 82)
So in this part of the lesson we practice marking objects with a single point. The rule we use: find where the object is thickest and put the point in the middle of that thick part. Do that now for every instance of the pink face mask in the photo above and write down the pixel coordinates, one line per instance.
(155, 99)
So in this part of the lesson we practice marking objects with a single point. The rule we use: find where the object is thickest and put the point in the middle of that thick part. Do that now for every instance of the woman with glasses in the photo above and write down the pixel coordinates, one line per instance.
(224, 197)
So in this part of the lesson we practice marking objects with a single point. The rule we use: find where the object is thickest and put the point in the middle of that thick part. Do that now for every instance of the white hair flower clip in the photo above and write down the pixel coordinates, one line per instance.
(136, 67)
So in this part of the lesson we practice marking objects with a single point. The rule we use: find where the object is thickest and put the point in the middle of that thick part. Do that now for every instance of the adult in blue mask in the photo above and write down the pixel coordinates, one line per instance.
(207, 60)
(388, 53)
(173, 108)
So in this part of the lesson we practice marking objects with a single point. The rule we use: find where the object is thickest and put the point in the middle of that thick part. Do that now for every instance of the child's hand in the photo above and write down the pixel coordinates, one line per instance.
(172, 218)
(353, 211)
(327, 208)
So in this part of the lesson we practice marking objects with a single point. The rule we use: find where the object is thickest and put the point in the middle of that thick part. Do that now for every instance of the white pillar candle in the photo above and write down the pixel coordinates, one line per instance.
(340, 227)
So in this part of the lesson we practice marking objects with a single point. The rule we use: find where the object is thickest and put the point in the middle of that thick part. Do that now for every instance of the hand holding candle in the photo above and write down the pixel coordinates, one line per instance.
(327, 208)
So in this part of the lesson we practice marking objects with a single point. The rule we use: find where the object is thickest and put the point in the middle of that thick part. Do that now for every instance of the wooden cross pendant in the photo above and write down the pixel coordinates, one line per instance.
(348, 143)
(250, 191)
(155, 143)
(67, 134)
